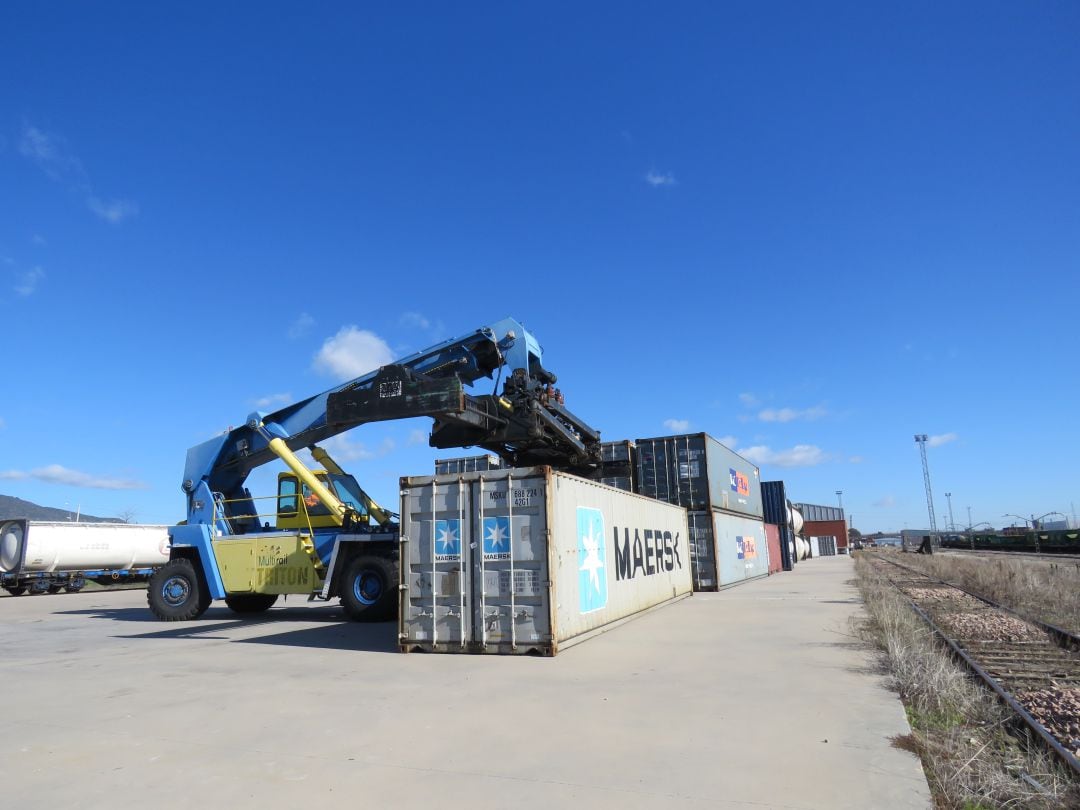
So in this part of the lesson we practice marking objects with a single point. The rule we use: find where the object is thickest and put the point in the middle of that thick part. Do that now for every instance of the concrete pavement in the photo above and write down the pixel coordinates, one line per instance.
(755, 697)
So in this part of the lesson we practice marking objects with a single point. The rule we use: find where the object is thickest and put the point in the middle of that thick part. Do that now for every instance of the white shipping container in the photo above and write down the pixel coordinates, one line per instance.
(29, 546)
(742, 551)
(530, 560)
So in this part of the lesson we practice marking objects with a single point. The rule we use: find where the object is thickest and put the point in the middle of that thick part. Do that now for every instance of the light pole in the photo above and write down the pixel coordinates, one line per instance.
(969, 516)
(952, 520)
(921, 439)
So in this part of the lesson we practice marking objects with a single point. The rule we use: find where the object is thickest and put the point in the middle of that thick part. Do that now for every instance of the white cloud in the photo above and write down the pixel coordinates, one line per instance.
(49, 152)
(677, 425)
(749, 400)
(728, 441)
(301, 325)
(273, 399)
(352, 352)
(801, 455)
(414, 320)
(56, 474)
(657, 179)
(28, 281)
(112, 211)
(343, 449)
(792, 414)
(416, 437)
(52, 155)
(886, 502)
(944, 438)
(856, 460)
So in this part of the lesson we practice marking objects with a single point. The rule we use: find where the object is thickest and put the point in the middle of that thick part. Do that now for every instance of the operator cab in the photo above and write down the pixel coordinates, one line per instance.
(299, 508)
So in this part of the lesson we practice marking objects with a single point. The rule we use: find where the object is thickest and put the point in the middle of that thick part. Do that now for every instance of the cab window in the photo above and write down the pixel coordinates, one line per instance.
(286, 496)
(315, 507)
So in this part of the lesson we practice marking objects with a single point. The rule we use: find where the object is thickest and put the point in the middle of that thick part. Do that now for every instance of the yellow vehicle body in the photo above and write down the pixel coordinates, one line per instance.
(277, 564)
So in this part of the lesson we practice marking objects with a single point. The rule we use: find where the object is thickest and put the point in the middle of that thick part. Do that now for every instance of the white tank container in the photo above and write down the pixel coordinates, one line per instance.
(796, 520)
(28, 546)
(530, 560)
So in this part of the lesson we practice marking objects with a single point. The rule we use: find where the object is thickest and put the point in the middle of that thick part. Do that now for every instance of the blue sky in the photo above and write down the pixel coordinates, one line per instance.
(813, 229)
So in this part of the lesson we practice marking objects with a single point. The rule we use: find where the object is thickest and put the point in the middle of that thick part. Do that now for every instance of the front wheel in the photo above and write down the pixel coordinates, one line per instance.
(250, 602)
(176, 592)
(16, 590)
(369, 589)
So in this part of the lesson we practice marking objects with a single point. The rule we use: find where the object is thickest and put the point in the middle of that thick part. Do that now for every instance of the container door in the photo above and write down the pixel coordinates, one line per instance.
(509, 564)
(437, 609)
(702, 550)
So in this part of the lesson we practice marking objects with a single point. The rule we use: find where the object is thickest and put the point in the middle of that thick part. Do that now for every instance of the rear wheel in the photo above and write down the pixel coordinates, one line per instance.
(369, 589)
(177, 593)
(16, 590)
(250, 602)
(55, 588)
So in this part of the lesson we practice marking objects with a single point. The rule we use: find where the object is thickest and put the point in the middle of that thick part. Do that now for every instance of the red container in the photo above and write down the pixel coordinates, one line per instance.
(772, 537)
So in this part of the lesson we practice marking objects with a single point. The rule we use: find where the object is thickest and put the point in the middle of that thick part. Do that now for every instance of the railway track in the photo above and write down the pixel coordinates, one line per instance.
(1032, 666)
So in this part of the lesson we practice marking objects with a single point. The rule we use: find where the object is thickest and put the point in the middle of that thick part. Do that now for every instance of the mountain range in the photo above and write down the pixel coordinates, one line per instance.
(11, 507)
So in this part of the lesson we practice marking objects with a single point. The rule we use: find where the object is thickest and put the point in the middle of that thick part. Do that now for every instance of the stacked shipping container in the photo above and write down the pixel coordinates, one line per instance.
(774, 503)
(721, 491)
(619, 460)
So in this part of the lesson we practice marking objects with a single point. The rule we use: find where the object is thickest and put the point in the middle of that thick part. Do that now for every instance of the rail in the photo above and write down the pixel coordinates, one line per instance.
(1062, 638)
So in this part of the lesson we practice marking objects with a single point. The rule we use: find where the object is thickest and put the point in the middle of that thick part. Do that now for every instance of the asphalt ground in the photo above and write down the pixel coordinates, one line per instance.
(755, 697)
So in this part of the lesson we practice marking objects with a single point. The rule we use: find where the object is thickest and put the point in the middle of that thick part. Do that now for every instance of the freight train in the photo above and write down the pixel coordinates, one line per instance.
(47, 557)
(1059, 541)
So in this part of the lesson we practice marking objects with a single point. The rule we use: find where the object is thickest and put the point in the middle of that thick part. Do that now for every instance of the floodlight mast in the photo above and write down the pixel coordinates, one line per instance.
(921, 439)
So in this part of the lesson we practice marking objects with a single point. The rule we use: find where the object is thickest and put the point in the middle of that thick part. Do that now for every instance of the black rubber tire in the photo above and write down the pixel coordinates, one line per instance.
(55, 588)
(73, 588)
(16, 590)
(177, 593)
(369, 589)
(251, 602)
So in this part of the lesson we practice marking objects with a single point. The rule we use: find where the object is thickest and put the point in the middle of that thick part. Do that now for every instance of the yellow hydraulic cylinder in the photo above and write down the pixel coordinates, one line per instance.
(328, 498)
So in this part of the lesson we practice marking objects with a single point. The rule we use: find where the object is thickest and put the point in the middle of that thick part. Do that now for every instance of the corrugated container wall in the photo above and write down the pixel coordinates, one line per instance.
(772, 537)
(741, 550)
(774, 503)
(453, 466)
(618, 465)
(528, 560)
(702, 550)
(697, 472)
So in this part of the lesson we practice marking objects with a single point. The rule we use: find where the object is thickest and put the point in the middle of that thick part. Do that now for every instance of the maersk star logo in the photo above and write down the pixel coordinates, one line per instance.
(497, 538)
(592, 560)
(447, 540)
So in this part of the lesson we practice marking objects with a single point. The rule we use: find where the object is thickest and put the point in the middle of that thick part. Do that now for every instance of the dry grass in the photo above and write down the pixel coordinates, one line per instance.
(1042, 589)
(958, 728)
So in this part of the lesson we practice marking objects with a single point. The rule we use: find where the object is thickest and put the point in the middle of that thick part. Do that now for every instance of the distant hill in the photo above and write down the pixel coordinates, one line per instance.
(18, 508)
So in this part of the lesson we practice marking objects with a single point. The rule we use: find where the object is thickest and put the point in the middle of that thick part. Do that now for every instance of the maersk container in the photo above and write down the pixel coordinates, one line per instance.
(699, 473)
(530, 560)
(742, 552)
